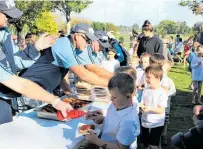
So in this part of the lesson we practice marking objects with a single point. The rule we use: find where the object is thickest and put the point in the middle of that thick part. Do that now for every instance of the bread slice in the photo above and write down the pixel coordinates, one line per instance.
(86, 128)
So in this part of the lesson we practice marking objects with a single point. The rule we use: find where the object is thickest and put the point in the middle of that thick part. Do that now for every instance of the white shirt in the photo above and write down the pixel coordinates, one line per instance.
(168, 82)
(135, 103)
(197, 70)
(110, 65)
(121, 126)
(140, 76)
(153, 98)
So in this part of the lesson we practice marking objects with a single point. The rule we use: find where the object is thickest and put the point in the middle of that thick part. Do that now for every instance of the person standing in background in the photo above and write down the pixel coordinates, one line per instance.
(149, 43)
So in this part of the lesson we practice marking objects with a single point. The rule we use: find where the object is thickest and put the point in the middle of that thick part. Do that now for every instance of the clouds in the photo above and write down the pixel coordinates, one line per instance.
(128, 12)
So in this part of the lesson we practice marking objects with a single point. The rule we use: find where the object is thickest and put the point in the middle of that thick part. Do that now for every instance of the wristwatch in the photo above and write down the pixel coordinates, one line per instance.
(104, 146)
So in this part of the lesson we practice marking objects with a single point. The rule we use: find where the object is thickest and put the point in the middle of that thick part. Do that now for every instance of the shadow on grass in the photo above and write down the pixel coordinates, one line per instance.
(180, 72)
(180, 115)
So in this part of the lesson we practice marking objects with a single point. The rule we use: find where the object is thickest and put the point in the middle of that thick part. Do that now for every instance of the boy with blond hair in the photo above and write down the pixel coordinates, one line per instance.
(154, 102)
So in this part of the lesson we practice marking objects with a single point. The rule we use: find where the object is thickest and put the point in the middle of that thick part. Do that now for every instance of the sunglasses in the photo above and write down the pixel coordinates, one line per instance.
(88, 41)
(103, 40)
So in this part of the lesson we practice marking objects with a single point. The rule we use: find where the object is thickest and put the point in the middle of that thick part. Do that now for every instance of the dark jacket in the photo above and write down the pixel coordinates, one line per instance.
(150, 45)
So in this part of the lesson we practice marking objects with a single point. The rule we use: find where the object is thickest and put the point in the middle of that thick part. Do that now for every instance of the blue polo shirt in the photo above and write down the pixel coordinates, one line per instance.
(5, 71)
(66, 55)
(90, 56)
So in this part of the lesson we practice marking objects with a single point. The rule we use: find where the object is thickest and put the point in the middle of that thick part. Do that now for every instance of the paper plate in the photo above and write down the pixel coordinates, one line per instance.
(78, 134)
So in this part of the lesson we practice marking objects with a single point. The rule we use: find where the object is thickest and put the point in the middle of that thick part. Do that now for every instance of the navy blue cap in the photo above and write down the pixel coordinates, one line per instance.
(8, 7)
(103, 38)
(85, 29)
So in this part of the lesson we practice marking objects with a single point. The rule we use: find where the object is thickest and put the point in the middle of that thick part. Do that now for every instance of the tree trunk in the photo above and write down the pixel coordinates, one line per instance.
(68, 25)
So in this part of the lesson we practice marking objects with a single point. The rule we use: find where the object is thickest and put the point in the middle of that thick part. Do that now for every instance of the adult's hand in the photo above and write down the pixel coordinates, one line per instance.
(196, 111)
(45, 41)
(62, 106)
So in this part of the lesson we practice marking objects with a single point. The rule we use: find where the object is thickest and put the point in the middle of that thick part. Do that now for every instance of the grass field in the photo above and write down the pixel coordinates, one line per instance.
(181, 107)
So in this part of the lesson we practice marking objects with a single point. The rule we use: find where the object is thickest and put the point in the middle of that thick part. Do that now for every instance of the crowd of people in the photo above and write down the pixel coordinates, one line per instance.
(139, 86)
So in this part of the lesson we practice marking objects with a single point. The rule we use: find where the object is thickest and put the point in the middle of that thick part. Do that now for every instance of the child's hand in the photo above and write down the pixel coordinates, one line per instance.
(98, 119)
(88, 115)
(92, 137)
(97, 112)
(141, 105)
(93, 114)
(145, 109)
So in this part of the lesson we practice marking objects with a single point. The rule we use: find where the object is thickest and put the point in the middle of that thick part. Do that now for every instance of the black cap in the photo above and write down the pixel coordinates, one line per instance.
(85, 29)
(8, 7)
(103, 38)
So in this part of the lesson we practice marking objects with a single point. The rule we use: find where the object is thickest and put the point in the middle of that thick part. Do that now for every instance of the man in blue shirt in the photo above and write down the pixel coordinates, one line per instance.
(65, 55)
(8, 75)
(89, 57)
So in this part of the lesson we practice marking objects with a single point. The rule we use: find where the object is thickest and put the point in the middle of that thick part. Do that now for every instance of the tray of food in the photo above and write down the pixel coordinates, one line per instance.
(99, 94)
(49, 112)
(83, 93)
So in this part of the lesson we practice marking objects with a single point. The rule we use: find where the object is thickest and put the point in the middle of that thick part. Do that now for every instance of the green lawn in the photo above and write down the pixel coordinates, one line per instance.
(181, 106)
(126, 39)
(181, 77)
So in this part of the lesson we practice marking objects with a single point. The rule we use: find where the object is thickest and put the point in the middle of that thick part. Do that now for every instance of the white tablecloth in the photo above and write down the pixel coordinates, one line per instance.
(29, 132)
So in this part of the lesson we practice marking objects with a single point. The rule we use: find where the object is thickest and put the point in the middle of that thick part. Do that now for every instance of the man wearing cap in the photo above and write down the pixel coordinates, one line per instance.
(100, 46)
(89, 57)
(51, 68)
(8, 75)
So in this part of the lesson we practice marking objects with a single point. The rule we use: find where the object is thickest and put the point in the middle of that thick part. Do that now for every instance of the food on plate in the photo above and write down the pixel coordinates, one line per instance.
(83, 92)
(70, 114)
(99, 88)
(101, 95)
(83, 85)
(84, 129)
(68, 100)
(75, 103)
(49, 108)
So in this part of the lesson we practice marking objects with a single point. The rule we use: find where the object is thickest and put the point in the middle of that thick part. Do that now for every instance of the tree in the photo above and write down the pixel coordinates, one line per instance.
(111, 27)
(194, 5)
(67, 6)
(33, 9)
(98, 26)
(167, 27)
(121, 39)
(46, 23)
(135, 26)
(160, 31)
(183, 28)
(75, 21)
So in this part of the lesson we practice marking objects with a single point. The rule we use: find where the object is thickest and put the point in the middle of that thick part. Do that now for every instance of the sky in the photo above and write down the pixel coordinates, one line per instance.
(128, 12)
